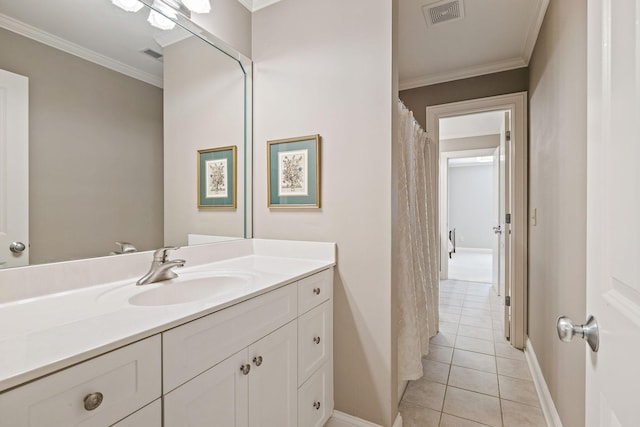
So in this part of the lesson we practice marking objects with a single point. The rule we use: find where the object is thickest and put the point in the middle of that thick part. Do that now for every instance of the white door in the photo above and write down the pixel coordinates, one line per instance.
(495, 248)
(14, 169)
(217, 397)
(273, 383)
(505, 228)
(613, 212)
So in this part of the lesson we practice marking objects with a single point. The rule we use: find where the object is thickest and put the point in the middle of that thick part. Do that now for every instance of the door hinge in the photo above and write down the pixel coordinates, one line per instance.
(507, 301)
(507, 218)
(507, 135)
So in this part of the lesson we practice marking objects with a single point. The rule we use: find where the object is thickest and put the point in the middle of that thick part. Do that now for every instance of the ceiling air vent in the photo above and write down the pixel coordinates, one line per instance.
(443, 11)
(152, 53)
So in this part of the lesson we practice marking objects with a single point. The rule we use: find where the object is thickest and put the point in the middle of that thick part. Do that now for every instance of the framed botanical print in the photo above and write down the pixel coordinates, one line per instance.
(293, 177)
(217, 169)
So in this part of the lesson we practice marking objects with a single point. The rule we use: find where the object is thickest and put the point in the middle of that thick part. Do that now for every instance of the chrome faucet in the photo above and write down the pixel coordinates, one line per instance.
(161, 267)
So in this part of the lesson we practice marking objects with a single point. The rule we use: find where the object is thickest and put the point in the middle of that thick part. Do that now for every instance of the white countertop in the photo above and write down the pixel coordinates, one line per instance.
(41, 335)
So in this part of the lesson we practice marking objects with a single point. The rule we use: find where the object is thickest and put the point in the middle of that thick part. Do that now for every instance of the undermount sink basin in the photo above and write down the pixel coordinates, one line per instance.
(190, 287)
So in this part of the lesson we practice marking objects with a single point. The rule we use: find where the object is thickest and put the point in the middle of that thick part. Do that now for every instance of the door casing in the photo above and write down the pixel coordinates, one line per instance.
(516, 103)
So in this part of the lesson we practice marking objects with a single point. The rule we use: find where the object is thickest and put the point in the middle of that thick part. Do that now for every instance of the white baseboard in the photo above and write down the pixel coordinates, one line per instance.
(549, 410)
(340, 419)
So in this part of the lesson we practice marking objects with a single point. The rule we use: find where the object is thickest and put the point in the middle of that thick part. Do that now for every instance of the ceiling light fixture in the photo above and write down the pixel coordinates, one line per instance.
(128, 5)
(161, 20)
(163, 12)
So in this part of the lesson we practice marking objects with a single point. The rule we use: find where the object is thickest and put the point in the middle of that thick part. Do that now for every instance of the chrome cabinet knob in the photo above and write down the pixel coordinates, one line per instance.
(316, 291)
(245, 369)
(316, 405)
(17, 247)
(589, 331)
(92, 401)
(257, 360)
(316, 340)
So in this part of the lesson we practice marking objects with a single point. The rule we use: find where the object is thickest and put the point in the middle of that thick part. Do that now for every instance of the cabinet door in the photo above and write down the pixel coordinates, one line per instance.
(218, 397)
(95, 393)
(273, 379)
(149, 416)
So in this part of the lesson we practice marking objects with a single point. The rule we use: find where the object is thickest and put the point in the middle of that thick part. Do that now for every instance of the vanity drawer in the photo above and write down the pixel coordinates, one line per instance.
(314, 290)
(127, 378)
(315, 340)
(191, 349)
(315, 398)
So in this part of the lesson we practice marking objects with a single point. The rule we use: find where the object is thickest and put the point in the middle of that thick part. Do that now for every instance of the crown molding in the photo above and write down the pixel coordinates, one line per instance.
(254, 5)
(495, 67)
(534, 30)
(56, 42)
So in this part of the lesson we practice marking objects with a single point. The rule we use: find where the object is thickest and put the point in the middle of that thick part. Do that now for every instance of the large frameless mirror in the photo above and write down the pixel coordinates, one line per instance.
(118, 126)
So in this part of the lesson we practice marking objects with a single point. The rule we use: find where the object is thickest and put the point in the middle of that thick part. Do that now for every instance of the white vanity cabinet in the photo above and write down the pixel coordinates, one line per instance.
(266, 362)
(98, 392)
(254, 387)
(263, 362)
(315, 349)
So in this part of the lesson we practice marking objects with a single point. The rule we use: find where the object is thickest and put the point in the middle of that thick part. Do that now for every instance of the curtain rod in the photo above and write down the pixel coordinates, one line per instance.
(412, 117)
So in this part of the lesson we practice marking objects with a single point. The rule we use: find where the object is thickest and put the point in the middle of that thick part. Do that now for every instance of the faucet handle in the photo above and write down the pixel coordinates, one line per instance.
(160, 255)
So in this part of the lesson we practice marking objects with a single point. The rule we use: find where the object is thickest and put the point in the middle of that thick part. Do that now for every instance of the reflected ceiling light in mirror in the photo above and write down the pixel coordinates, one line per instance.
(198, 6)
(128, 5)
(159, 20)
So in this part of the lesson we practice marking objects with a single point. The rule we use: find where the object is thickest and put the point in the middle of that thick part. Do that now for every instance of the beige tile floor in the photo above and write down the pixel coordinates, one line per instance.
(472, 376)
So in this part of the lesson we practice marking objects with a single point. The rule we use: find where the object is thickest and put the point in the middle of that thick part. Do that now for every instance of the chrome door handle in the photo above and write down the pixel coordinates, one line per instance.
(497, 230)
(17, 247)
(589, 331)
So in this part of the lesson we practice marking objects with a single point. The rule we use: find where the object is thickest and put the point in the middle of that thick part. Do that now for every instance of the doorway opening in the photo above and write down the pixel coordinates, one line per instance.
(472, 202)
(482, 198)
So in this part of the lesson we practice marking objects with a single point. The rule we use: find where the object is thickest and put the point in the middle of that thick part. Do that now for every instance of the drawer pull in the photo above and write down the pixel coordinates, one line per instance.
(257, 360)
(316, 340)
(316, 405)
(316, 291)
(92, 401)
(245, 369)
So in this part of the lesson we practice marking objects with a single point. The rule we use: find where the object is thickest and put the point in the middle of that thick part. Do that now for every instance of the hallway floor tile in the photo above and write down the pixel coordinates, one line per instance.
(472, 375)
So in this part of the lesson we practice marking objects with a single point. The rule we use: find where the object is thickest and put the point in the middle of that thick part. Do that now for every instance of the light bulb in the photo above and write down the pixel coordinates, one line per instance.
(128, 5)
(159, 20)
(198, 6)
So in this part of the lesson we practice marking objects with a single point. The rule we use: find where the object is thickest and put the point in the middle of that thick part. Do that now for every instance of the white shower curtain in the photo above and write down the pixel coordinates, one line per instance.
(417, 272)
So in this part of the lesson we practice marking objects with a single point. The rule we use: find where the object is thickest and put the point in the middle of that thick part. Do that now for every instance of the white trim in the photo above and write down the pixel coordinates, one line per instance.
(253, 5)
(56, 42)
(534, 30)
(340, 419)
(549, 410)
(248, 4)
(464, 73)
(517, 104)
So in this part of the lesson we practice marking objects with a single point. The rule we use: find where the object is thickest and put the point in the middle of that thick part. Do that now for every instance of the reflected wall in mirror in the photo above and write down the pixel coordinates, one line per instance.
(117, 110)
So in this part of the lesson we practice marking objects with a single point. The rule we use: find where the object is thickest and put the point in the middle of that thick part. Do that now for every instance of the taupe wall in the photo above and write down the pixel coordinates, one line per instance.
(95, 155)
(204, 108)
(557, 189)
(230, 21)
(335, 78)
(418, 99)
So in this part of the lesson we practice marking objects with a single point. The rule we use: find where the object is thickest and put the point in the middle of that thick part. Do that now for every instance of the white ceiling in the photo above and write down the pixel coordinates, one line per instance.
(493, 36)
(94, 30)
